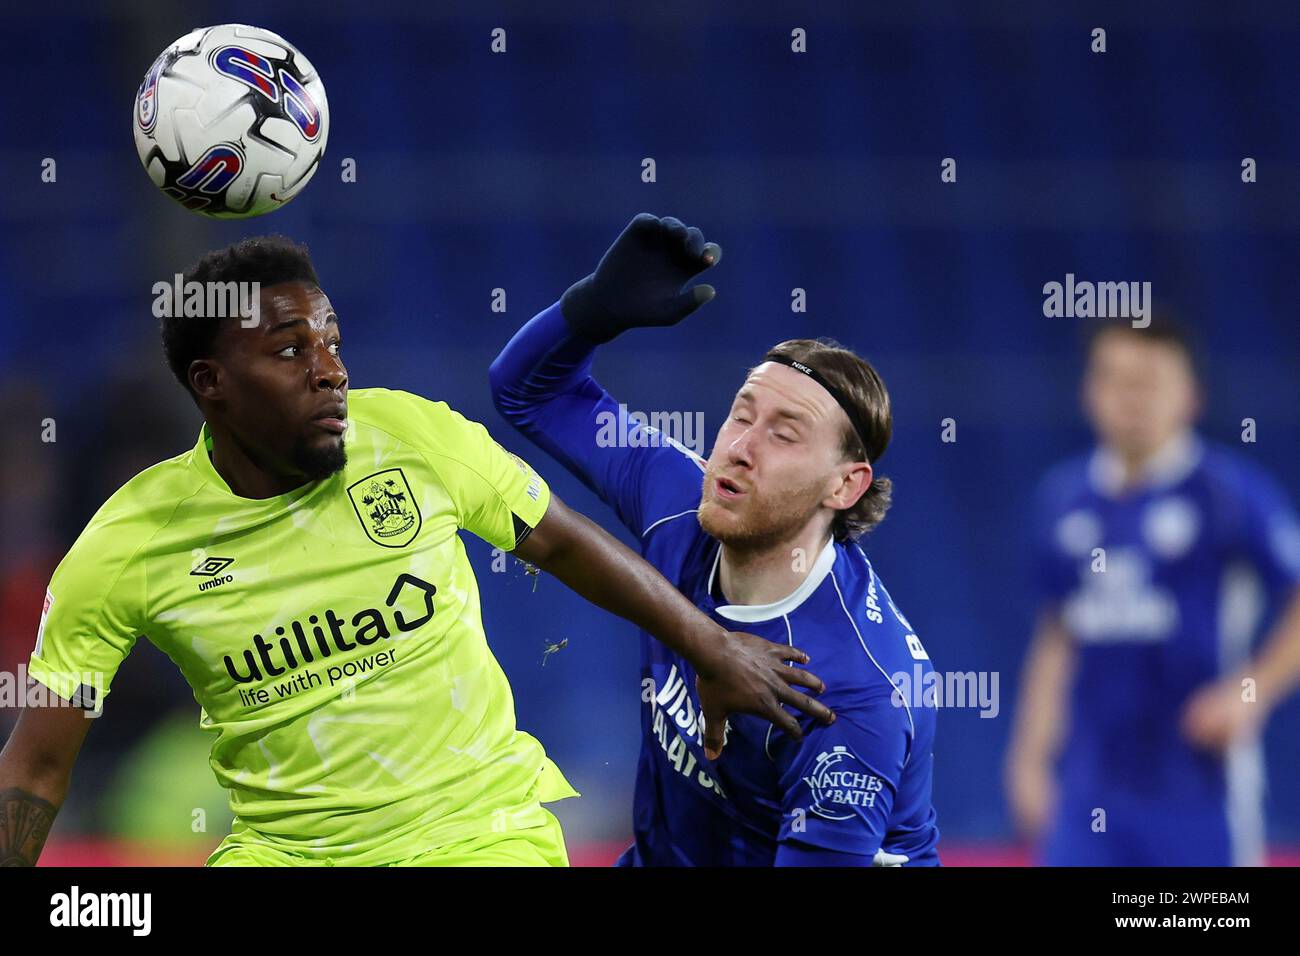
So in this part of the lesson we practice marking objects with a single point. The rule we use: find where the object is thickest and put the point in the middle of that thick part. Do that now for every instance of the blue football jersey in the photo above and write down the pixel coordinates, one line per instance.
(1162, 588)
(847, 790)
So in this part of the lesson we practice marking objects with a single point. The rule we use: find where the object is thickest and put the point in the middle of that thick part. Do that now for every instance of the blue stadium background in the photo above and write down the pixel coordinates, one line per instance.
(478, 171)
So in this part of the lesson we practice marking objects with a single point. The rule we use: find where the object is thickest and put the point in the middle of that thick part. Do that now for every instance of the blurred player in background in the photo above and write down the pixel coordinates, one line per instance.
(320, 604)
(1136, 739)
(765, 533)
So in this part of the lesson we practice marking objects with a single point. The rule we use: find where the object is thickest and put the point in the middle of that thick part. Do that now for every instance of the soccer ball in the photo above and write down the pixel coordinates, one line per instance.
(231, 121)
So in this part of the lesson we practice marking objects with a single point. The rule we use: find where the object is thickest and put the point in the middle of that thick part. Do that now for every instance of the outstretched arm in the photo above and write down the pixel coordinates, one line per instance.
(542, 381)
(736, 672)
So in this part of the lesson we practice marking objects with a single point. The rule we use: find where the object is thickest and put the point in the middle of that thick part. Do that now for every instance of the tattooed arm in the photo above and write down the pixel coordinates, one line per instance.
(35, 768)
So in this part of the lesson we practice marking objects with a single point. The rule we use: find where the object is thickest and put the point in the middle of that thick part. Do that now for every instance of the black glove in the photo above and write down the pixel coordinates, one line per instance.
(639, 280)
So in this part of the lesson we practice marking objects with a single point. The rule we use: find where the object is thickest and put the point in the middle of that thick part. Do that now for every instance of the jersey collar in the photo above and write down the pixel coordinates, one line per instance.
(201, 461)
(1166, 468)
(753, 613)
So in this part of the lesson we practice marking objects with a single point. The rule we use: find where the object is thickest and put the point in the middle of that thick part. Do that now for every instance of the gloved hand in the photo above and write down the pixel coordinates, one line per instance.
(639, 280)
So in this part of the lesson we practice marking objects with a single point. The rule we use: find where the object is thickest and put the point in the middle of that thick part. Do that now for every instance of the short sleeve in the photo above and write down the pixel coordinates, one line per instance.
(1269, 532)
(497, 494)
(1054, 571)
(840, 786)
(90, 621)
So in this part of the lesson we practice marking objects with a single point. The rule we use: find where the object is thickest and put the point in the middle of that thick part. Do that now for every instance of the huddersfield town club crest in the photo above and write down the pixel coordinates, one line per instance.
(387, 509)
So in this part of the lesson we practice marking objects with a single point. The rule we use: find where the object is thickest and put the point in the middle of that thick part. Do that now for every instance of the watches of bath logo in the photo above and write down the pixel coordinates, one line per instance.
(386, 508)
(839, 783)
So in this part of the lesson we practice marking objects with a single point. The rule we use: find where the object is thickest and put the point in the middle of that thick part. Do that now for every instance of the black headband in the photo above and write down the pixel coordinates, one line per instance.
(835, 393)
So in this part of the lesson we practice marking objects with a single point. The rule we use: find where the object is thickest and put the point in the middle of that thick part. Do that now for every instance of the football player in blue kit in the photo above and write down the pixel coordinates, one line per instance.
(762, 533)
(1159, 556)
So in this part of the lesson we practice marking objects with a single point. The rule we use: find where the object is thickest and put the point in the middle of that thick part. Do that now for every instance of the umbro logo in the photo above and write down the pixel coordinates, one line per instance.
(211, 569)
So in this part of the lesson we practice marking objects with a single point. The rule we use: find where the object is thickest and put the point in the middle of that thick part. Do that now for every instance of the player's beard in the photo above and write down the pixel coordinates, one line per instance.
(763, 520)
(319, 461)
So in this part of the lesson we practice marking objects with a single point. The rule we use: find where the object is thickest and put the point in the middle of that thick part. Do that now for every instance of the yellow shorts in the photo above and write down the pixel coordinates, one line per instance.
(534, 846)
